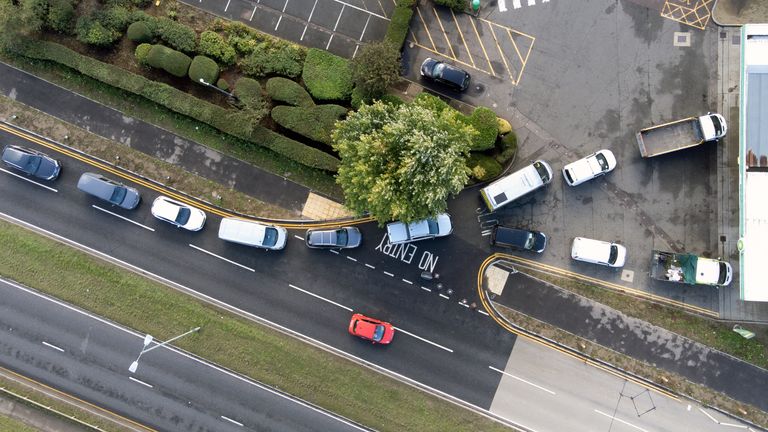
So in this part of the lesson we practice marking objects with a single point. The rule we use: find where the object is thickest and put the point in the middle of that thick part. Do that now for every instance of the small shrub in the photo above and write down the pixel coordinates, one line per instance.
(139, 32)
(222, 84)
(288, 91)
(249, 92)
(157, 55)
(484, 122)
(116, 18)
(177, 35)
(177, 63)
(431, 102)
(315, 123)
(483, 167)
(504, 126)
(285, 60)
(203, 68)
(508, 144)
(142, 51)
(327, 76)
(358, 98)
(391, 99)
(213, 45)
(61, 16)
(92, 32)
(456, 5)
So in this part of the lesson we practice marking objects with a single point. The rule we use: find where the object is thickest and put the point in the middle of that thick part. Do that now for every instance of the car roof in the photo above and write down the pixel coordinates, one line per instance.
(454, 74)
(166, 208)
(96, 185)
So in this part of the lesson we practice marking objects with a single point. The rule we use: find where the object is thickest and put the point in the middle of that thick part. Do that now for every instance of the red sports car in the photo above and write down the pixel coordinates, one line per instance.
(372, 329)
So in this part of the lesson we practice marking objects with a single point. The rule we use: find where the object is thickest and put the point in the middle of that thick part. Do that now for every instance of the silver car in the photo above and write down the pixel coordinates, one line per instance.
(335, 238)
(109, 190)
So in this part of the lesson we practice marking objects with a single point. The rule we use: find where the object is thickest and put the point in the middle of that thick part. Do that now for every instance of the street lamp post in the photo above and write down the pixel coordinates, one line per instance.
(148, 340)
(207, 84)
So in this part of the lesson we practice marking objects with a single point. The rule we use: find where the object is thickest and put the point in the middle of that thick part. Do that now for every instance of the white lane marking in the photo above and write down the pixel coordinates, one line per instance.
(345, 4)
(320, 297)
(365, 27)
(53, 346)
(351, 259)
(370, 266)
(232, 421)
(354, 54)
(710, 417)
(531, 2)
(221, 257)
(299, 237)
(227, 6)
(516, 4)
(520, 379)
(407, 281)
(140, 382)
(256, 318)
(424, 340)
(278, 22)
(26, 179)
(286, 5)
(483, 312)
(122, 217)
(464, 304)
(252, 13)
(308, 21)
(444, 296)
(329, 41)
(334, 251)
(338, 19)
(620, 420)
(426, 289)
(389, 274)
(502, 6)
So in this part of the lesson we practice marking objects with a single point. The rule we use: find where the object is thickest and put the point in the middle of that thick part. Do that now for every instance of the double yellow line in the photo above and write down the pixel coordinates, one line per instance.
(159, 188)
(541, 340)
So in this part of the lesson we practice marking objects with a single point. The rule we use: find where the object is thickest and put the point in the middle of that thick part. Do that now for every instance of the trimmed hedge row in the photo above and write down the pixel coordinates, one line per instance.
(174, 62)
(177, 35)
(398, 27)
(284, 90)
(235, 123)
(327, 76)
(315, 123)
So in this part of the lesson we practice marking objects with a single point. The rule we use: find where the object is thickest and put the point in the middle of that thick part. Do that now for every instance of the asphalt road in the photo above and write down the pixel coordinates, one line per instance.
(88, 357)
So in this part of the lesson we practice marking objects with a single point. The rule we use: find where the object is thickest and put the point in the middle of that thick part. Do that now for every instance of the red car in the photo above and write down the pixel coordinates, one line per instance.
(372, 329)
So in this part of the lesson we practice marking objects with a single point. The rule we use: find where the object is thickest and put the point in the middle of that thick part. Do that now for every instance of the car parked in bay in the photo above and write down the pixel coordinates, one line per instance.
(590, 167)
(446, 74)
(177, 213)
(371, 329)
(31, 162)
(598, 252)
(518, 238)
(333, 238)
(109, 190)
(401, 232)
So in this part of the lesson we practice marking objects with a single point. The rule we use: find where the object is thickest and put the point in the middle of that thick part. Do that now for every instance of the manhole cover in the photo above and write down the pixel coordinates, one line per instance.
(682, 39)
(627, 275)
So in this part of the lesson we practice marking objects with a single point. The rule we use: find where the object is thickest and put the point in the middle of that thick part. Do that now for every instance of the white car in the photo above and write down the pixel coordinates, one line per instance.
(179, 214)
(401, 232)
(599, 163)
(598, 252)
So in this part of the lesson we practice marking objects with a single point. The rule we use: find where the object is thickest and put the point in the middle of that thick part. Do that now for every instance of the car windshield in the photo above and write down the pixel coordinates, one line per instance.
(717, 125)
(434, 228)
(614, 254)
(543, 173)
(378, 333)
(438, 69)
(118, 195)
(183, 216)
(723, 274)
(602, 161)
(341, 237)
(33, 163)
(529, 241)
(270, 236)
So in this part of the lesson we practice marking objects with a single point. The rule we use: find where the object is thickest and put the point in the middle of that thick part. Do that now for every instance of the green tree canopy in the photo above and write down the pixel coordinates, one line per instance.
(402, 162)
(376, 68)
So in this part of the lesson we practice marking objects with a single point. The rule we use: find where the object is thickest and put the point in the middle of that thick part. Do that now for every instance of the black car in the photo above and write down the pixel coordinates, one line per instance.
(335, 238)
(442, 72)
(31, 162)
(109, 190)
(520, 239)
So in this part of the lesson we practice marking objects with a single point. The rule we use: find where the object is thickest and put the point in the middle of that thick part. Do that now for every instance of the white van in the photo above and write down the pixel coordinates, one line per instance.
(507, 189)
(252, 233)
(598, 252)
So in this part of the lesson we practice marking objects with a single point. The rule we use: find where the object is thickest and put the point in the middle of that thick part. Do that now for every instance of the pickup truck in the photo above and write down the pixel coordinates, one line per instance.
(690, 269)
(401, 232)
(680, 134)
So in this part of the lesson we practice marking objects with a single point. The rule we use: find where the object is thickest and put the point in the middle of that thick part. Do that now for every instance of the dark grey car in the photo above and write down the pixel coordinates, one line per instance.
(109, 190)
(520, 239)
(336, 238)
(31, 162)
(442, 72)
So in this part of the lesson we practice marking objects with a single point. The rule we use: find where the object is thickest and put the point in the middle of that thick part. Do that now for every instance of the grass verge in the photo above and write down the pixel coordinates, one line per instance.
(8, 424)
(253, 350)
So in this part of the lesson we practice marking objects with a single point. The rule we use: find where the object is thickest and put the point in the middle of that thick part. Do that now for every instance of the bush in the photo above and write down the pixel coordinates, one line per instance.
(61, 15)
(177, 35)
(375, 68)
(156, 56)
(249, 92)
(203, 68)
(398, 27)
(483, 167)
(288, 91)
(431, 102)
(92, 32)
(391, 99)
(142, 51)
(222, 84)
(213, 45)
(116, 18)
(285, 60)
(172, 61)
(358, 98)
(315, 123)
(504, 126)
(484, 122)
(456, 5)
(238, 124)
(508, 144)
(139, 32)
(327, 76)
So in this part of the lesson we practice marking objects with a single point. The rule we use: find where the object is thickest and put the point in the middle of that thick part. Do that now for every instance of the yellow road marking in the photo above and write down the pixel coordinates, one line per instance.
(461, 33)
(501, 53)
(490, 66)
(426, 29)
(445, 35)
(455, 60)
(682, 14)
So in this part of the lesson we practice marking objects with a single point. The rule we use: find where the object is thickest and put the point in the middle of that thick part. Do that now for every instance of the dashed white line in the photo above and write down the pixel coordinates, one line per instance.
(464, 304)
(329, 41)
(308, 20)
(351, 259)
(426, 289)
(253, 13)
(389, 274)
(520, 379)
(278, 22)
(531, 2)
(140, 382)
(620, 420)
(365, 27)
(227, 6)
(424, 340)
(299, 237)
(320, 297)
(502, 6)
(53, 346)
(334, 251)
(338, 19)
(122, 217)
(221, 257)
(370, 266)
(354, 54)
(483, 312)
(407, 281)
(516, 4)
(232, 421)
(444, 296)
(26, 179)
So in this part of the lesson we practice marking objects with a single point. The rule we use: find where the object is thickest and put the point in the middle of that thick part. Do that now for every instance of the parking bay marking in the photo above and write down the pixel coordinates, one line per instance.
(53, 346)
(320, 297)
(31, 181)
(424, 340)
(221, 257)
(122, 217)
(140, 382)
(522, 380)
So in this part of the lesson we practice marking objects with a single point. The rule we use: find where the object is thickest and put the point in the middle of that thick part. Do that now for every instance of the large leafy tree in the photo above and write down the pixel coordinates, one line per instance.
(402, 162)
(375, 69)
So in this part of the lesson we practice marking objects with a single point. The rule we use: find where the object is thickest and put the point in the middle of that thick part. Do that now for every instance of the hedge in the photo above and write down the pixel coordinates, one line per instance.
(432, 102)
(315, 123)
(508, 144)
(400, 22)
(222, 84)
(90, 31)
(249, 92)
(177, 35)
(174, 62)
(142, 51)
(213, 45)
(203, 68)
(61, 16)
(234, 123)
(139, 32)
(265, 59)
(327, 76)
(288, 91)
(456, 5)
(483, 167)
(485, 122)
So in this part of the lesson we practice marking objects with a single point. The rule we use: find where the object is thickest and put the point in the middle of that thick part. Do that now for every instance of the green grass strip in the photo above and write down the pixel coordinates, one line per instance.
(241, 345)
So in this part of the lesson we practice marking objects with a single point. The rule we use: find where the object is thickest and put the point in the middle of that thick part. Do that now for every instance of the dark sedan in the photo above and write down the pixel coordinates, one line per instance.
(443, 73)
(31, 162)
(520, 239)
(337, 238)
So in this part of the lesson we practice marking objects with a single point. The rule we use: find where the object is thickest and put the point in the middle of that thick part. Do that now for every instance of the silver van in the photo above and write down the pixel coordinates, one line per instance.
(251, 233)
(509, 188)
(109, 190)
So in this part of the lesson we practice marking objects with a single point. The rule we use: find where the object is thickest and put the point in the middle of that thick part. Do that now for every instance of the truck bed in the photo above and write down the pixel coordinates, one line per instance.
(672, 267)
(668, 137)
